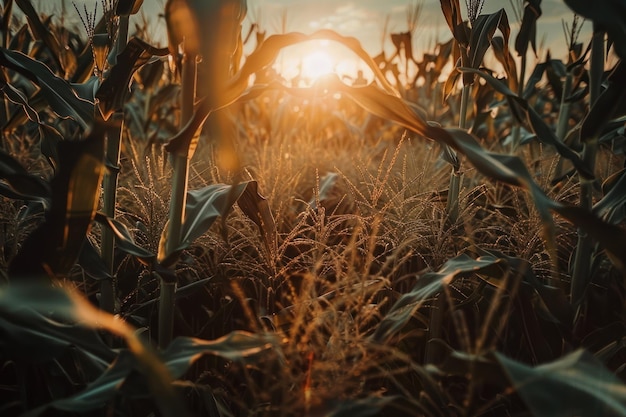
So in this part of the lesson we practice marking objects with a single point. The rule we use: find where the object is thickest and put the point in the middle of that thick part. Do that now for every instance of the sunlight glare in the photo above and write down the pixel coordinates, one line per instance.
(317, 64)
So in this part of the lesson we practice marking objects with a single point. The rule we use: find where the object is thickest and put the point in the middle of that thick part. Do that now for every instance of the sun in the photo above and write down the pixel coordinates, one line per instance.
(316, 64)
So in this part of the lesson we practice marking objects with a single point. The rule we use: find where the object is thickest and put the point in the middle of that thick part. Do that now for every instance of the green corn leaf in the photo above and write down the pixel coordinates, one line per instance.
(55, 90)
(482, 33)
(235, 346)
(92, 263)
(427, 286)
(609, 105)
(114, 90)
(204, 207)
(533, 79)
(590, 388)
(544, 133)
(125, 241)
(21, 302)
(612, 207)
(29, 333)
(17, 97)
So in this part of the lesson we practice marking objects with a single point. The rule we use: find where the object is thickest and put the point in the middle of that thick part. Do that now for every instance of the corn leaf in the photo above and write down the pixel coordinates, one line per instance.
(204, 206)
(503, 55)
(427, 286)
(612, 207)
(54, 247)
(125, 241)
(528, 30)
(483, 30)
(30, 334)
(59, 94)
(127, 7)
(20, 182)
(544, 133)
(114, 90)
(590, 388)
(364, 407)
(235, 346)
(608, 15)
(17, 97)
(607, 106)
(40, 31)
(257, 208)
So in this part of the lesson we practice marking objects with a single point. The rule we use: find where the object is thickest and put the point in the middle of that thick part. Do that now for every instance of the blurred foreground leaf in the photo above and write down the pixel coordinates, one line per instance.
(588, 387)
(53, 248)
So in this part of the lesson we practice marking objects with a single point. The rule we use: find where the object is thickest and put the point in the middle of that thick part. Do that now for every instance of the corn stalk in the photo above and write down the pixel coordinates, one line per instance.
(109, 186)
(584, 248)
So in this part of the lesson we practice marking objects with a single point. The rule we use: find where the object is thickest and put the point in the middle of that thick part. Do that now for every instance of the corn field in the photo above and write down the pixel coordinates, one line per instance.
(186, 232)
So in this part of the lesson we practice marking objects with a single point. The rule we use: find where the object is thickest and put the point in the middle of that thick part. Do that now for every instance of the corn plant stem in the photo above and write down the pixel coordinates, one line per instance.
(432, 354)
(584, 248)
(109, 186)
(452, 203)
(178, 201)
(517, 129)
(564, 109)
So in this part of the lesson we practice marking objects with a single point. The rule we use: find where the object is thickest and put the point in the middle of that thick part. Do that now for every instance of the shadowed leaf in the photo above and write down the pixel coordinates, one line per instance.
(528, 30)
(544, 133)
(427, 286)
(53, 248)
(127, 7)
(20, 182)
(29, 335)
(235, 346)
(124, 240)
(607, 106)
(609, 15)
(55, 90)
(611, 208)
(40, 31)
(482, 33)
(113, 92)
(17, 97)
(590, 388)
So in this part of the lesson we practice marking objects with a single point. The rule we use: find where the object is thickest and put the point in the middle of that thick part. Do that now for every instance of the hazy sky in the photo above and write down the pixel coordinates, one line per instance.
(364, 19)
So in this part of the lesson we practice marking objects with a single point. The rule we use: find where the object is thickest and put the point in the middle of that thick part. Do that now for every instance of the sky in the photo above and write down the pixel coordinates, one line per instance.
(365, 19)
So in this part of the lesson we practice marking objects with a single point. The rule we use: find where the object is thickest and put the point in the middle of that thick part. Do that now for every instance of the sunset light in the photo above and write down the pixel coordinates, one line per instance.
(317, 64)
(306, 62)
